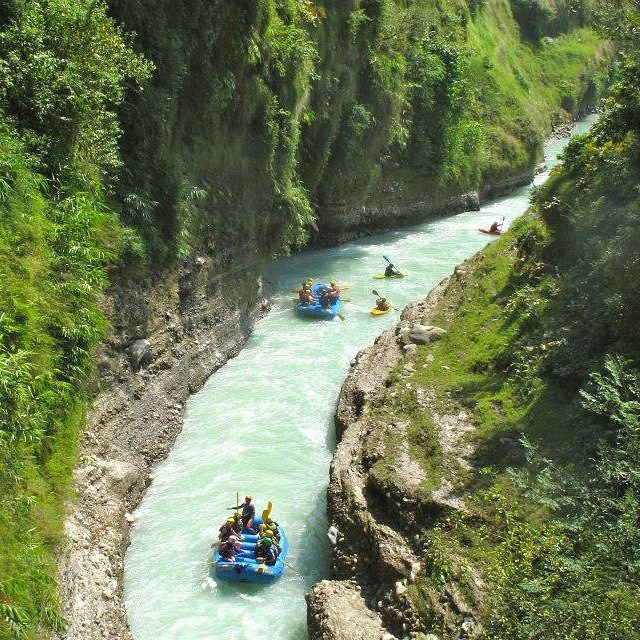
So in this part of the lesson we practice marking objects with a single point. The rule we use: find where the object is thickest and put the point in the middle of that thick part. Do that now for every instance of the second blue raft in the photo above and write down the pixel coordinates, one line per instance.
(316, 310)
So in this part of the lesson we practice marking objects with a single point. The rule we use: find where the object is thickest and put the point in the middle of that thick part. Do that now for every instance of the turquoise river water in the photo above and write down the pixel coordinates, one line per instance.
(263, 424)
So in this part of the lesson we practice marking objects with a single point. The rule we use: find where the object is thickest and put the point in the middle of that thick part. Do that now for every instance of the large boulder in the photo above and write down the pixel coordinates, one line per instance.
(139, 353)
(336, 611)
(423, 334)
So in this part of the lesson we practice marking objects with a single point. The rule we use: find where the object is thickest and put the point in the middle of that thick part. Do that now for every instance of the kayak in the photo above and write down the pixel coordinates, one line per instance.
(382, 276)
(491, 233)
(379, 312)
(316, 310)
(245, 568)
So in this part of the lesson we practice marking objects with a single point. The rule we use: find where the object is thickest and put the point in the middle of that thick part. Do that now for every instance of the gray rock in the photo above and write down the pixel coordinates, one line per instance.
(472, 201)
(139, 353)
(423, 334)
(410, 349)
(336, 611)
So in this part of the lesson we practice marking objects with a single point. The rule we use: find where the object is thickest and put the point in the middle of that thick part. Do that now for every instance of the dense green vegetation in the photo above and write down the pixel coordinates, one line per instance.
(400, 67)
(320, 102)
(217, 135)
(543, 354)
(63, 65)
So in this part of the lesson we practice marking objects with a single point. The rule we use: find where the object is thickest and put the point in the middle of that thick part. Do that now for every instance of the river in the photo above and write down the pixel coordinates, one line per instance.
(263, 424)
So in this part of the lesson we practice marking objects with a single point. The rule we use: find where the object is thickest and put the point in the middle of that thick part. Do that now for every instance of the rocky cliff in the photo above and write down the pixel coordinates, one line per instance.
(169, 335)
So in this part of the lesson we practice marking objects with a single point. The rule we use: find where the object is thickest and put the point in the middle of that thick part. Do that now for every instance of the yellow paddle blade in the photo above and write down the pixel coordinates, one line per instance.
(261, 567)
(267, 511)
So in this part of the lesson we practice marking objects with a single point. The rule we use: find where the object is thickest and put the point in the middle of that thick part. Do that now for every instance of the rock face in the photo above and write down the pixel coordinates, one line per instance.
(402, 199)
(192, 321)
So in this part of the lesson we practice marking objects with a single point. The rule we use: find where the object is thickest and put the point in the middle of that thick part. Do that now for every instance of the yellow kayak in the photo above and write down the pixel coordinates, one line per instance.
(379, 312)
(381, 276)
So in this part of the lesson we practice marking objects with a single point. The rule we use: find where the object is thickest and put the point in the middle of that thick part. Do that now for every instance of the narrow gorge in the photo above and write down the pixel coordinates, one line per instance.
(156, 159)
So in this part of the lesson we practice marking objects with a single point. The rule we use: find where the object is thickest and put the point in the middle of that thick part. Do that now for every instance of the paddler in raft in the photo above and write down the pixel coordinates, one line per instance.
(227, 548)
(330, 295)
(227, 530)
(334, 292)
(248, 513)
(265, 552)
(304, 294)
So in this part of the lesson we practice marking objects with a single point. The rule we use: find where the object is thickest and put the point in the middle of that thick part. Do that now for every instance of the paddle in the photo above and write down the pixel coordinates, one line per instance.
(291, 567)
(503, 217)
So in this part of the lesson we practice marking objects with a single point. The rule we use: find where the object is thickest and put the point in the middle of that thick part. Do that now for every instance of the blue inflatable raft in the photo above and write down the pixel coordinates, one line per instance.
(245, 568)
(316, 310)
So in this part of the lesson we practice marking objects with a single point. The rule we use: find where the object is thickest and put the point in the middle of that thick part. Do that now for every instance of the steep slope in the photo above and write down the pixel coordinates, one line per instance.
(365, 114)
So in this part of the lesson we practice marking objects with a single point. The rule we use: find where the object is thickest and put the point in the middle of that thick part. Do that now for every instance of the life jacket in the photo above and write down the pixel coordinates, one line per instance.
(226, 549)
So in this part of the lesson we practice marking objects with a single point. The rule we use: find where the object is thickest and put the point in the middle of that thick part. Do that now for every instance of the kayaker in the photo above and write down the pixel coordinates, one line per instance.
(382, 304)
(226, 530)
(228, 547)
(391, 271)
(495, 227)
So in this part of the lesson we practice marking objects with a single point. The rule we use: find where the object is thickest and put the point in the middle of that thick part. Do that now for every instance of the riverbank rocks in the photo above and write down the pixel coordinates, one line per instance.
(336, 611)
(139, 353)
(424, 334)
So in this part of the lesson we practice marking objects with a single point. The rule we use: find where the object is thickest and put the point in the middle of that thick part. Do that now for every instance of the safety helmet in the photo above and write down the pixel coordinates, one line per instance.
(263, 527)
(247, 498)
(333, 283)
(230, 521)
(268, 533)
(237, 514)
(267, 542)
